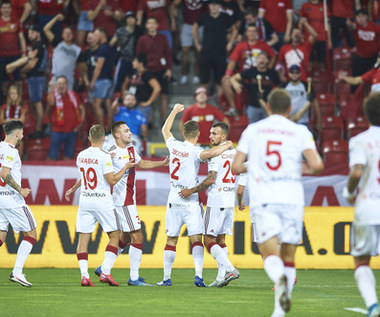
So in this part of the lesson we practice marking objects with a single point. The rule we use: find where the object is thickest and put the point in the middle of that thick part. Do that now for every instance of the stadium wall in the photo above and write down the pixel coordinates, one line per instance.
(325, 242)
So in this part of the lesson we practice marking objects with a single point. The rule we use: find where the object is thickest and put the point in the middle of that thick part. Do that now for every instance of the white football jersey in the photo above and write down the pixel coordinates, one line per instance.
(222, 192)
(274, 148)
(93, 163)
(365, 150)
(124, 191)
(10, 158)
(183, 167)
(243, 179)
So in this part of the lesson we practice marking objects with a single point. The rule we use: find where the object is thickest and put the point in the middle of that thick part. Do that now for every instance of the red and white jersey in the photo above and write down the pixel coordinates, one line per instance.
(365, 150)
(10, 158)
(274, 148)
(222, 192)
(183, 167)
(93, 163)
(124, 191)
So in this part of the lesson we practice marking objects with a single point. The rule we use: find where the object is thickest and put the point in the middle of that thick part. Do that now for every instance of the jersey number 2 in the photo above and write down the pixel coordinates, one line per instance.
(227, 179)
(271, 151)
(173, 175)
(89, 178)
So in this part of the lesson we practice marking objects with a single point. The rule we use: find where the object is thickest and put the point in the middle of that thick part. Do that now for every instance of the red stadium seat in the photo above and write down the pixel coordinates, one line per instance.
(322, 82)
(37, 149)
(356, 126)
(237, 126)
(342, 59)
(332, 129)
(335, 152)
(326, 99)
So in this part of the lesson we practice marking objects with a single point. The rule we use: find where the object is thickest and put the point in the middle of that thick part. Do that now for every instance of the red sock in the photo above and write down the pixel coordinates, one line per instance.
(170, 247)
(29, 239)
(122, 245)
(112, 249)
(82, 256)
(137, 245)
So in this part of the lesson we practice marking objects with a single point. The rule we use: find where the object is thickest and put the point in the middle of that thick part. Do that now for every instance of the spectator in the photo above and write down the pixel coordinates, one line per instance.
(204, 114)
(264, 28)
(341, 10)
(258, 89)
(279, 14)
(102, 81)
(159, 60)
(301, 99)
(65, 54)
(12, 39)
(130, 5)
(214, 44)
(143, 85)
(231, 8)
(244, 55)
(67, 115)
(367, 35)
(47, 10)
(313, 12)
(21, 10)
(296, 53)
(158, 9)
(191, 11)
(126, 37)
(134, 119)
(107, 16)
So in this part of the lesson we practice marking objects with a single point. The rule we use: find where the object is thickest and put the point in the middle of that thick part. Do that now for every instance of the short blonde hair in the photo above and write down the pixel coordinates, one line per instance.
(97, 133)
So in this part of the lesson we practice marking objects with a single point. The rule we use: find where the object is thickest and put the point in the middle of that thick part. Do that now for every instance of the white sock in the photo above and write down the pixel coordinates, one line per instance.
(367, 284)
(220, 256)
(221, 270)
(198, 257)
(109, 259)
(23, 252)
(274, 267)
(169, 257)
(135, 253)
(83, 264)
(290, 272)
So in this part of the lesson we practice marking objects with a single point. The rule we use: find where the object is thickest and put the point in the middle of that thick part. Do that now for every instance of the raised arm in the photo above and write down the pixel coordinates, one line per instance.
(147, 164)
(92, 14)
(47, 29)
(216, 150)
(166, 129)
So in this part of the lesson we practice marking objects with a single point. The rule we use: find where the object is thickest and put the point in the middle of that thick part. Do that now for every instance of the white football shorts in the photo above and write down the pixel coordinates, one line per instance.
(128, 217)
(87, 219)
(179, 214)
(284, 221)
(21, 219)
(218, 221)
(365, 240)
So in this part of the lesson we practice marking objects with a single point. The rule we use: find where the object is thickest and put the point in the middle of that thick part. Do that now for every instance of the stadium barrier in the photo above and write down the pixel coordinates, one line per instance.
(325, 242)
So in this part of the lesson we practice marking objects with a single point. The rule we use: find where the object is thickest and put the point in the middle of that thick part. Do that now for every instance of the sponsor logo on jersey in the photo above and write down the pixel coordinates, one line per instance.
(109, 164)
(125, 157)
(11, 193)
(228, 189)
(9, 158)
(84, 194)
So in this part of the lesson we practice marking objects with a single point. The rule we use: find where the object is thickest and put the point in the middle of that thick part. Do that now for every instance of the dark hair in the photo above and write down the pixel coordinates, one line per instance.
(6, 2)
(11, 126)
(279, 100)
(141, 58)
(151, 18)
(371, 108)
(250, 25)
(115, 126)
(190, 129)
(97, 132)
(251, 11)
(64, 77)
(221, 125)
(101, 29)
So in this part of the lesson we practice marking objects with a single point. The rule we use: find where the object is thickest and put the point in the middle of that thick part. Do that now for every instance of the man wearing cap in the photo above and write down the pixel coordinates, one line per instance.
(202, 113)
(126, 38)
(301, 100)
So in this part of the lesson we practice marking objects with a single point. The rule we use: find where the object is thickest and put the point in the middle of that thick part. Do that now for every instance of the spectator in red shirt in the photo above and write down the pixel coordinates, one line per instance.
(108, 16)
(244, 55)
(159, 60)
(12, 39)
(313, 12)
(367, 36)
(67, 115)
(21, 10)
(279, 14)
(296, 53)
(46, 11)
(204, 114)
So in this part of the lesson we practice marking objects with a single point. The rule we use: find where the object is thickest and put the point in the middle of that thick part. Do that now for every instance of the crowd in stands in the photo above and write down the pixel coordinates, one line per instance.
(67, 64)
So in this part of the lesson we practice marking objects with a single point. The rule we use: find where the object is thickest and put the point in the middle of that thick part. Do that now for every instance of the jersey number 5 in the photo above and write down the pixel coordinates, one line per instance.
(89, 178)
(173, 175)
(2, 183)
(271, 151)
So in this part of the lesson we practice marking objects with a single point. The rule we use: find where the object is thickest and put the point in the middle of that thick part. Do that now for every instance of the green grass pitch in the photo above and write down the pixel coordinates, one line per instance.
(57, 292)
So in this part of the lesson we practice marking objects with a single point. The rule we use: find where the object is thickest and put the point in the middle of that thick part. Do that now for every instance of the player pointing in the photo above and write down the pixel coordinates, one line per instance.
(185, 158)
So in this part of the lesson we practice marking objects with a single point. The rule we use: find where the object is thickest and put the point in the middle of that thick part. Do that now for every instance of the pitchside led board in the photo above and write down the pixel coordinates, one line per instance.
(325, 245)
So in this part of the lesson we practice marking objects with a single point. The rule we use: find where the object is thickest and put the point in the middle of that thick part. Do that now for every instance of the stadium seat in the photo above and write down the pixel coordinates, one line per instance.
(326, 99)
(342, 59)
(37, 149)
(356, 126)
(332, 129)
(237, 126)
(322, 82)
(335, 152)
(341, 87)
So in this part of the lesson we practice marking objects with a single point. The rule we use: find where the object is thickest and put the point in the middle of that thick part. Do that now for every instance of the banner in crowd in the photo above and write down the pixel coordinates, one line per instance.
(50, 182)
(325, 243)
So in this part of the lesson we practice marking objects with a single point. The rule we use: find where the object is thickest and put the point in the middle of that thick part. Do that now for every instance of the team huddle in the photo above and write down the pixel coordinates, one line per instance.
(270, 158)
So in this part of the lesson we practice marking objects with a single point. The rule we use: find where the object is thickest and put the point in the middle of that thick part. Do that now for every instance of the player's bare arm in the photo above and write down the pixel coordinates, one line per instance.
(216, 150)
(112, 178)
(238, 165)
(146, 164)
(7, 177)
(239, 197)
(206, 183)
(349, 191)
(166, 129)
(314, 162)
(72, 190)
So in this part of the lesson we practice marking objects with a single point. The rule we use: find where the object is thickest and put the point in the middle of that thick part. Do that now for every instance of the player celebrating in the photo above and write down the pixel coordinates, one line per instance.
(185, 158)
(365, 175)
(13, 209)
(274, 148)
(95, 204)
(124, 197)
(219, 217)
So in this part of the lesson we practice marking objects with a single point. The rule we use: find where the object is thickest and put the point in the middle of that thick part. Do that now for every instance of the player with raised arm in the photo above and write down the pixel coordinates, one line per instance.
(363, 190)
(185, 158)
(13, 209)
(124, 198)
(96, 204)
(219, 216)
(275, 147)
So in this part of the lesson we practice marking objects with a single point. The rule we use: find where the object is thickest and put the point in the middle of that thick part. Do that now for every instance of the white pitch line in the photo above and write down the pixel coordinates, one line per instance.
(357, 310)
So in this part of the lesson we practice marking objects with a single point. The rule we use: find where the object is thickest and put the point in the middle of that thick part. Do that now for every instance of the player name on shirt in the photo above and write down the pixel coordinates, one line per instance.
(179, 153)
(85, 160)
(274, 131)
